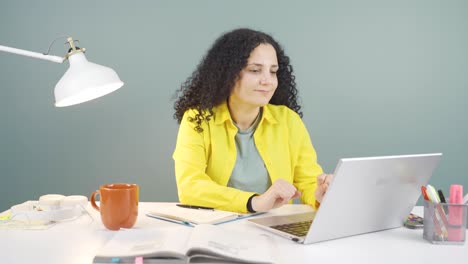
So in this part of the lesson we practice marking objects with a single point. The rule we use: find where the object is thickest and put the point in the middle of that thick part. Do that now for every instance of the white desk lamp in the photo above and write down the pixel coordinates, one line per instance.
(83, 81)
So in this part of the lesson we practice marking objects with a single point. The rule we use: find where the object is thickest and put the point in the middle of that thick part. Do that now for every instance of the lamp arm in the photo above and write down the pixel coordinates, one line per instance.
(37, 55)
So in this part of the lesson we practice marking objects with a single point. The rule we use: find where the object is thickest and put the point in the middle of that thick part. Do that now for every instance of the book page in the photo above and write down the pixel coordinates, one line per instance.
(210, 243)
(194, 216)
(167, 242)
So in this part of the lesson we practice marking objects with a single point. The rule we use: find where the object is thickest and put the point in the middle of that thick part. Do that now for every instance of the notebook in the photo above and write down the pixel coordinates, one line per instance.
(190, 217)
(173, 245)
(366, 195)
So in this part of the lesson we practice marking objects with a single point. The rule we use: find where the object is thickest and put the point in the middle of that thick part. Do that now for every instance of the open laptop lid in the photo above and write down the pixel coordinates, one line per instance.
(371, 194)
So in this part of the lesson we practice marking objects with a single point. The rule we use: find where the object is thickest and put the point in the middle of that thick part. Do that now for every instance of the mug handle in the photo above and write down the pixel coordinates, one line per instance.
(92, 199)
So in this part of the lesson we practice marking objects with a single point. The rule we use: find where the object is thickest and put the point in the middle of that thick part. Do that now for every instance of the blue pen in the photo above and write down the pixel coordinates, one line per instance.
(171, 219)
(177, 221)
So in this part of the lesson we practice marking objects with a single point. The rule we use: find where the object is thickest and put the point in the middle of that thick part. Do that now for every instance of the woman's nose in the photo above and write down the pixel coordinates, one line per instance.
(266, 78)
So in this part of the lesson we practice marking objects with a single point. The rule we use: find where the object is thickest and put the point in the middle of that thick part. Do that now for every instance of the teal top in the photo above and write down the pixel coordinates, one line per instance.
(249, 173)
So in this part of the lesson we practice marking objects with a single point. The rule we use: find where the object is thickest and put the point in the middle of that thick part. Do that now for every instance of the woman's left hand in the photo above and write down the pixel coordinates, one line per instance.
(323, 181)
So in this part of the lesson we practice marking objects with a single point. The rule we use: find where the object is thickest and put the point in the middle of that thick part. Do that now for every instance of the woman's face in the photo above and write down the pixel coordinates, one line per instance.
(257, 81)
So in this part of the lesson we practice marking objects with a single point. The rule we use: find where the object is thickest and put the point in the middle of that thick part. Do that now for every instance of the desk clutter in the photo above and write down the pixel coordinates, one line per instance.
(45, 212)
(445, 221)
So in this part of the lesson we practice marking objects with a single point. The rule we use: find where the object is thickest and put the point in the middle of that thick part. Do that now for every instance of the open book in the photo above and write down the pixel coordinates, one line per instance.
(190, 217)
(202, 244)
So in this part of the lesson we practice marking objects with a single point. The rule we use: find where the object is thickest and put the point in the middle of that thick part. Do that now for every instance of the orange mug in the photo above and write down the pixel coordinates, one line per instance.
(118, 205)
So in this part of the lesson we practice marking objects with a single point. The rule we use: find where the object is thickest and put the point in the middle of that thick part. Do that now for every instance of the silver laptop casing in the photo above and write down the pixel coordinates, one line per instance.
(366, 195)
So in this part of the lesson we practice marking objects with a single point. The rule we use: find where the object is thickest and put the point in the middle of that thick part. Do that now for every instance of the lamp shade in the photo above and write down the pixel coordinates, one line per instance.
(84, 81)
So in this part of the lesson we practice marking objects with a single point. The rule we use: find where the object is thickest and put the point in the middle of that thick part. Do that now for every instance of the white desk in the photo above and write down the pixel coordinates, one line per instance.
(79, 240)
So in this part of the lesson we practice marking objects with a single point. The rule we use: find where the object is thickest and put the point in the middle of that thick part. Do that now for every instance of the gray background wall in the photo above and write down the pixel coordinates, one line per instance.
(375, 78)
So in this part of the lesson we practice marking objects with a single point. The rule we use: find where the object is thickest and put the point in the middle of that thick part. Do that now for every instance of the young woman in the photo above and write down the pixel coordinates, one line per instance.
(242, 145)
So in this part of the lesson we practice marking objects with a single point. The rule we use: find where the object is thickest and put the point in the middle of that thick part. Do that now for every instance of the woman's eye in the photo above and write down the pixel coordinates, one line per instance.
(273, 72)
(254, 70)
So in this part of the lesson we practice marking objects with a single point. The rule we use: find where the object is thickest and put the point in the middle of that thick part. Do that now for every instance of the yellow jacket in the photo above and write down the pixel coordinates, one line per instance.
(204, 161)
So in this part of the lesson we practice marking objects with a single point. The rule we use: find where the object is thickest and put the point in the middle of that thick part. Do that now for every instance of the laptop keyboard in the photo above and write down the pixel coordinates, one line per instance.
(298, 229)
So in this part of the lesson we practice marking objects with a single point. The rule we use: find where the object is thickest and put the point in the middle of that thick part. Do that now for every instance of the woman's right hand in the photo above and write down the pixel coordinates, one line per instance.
(279, 193)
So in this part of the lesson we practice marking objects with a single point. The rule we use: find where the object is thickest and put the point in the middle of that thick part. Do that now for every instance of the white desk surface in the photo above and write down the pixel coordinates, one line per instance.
(79, 240)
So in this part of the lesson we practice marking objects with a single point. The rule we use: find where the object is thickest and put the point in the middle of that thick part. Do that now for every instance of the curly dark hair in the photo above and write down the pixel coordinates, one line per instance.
(214, 78)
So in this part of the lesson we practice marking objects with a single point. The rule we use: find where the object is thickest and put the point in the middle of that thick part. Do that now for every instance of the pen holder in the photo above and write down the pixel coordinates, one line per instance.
(445, 223)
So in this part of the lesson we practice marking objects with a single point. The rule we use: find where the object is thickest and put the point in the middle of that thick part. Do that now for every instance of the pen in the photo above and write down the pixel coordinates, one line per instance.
(439, 213)
(195, 207)
(441, 196)
(432, 194)
(424, 193)
(170, 218)
(442, 200)
(438, 230)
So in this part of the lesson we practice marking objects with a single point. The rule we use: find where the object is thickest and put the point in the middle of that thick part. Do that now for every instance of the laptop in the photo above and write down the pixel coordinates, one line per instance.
(366, 195)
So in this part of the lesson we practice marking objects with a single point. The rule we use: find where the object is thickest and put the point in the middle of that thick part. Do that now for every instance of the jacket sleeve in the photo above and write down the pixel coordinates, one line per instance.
(306, 168)
(194, 185)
